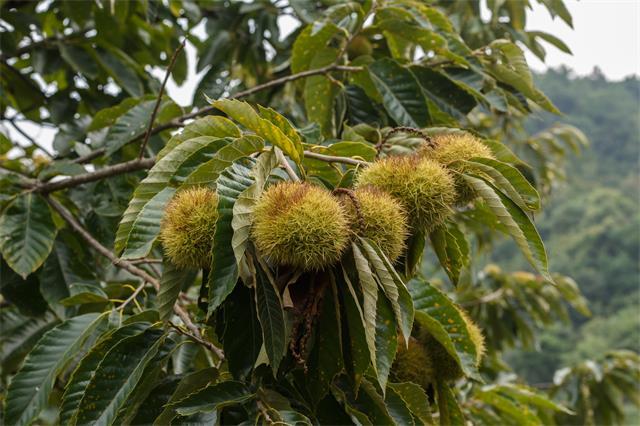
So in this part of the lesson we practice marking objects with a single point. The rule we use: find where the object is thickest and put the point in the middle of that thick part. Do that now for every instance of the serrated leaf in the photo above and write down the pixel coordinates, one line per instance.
(369, 304)
(27, 233)
(159, 177)
(81, 376)
(444, 93)
(508, 179)
(358, 358)
(108, 116)
(518, 224)
(20, 334)
(224, 269)
(415, 399)
(188, 384)
(146, 227)
(244, 114)
(117, 375)
(30, 388)
(510, 67)
(243, 209)
(307, 44)
(386, 341)
(207, 173)
(130, 125)
(326, 359)
(320, 93)
(402, 96)
(171, 283)
(398, 408)
(211, 125)
(452, 250)
(438, 315)
(212, 398)
(271, 316)
(393, 287)
(366, 400)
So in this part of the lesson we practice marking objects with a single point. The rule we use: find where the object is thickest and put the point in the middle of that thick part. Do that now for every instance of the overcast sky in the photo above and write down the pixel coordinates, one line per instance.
(606, 34)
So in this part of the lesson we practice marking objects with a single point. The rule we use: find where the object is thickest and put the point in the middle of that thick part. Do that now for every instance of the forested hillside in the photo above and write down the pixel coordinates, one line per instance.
(591, 225)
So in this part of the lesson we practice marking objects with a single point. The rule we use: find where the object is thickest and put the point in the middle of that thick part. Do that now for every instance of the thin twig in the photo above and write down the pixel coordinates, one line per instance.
(27, 136)
(145, 260)
(133, 296)
(180, 121)
(285, 165)
(126, 265)
(116, 169)
(44, 42)
(152, 120)
(334, 159)
(213, 348)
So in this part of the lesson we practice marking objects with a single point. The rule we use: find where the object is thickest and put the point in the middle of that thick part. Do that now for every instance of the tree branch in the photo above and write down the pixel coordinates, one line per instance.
(179, 121)
(27, 136)
(334, 159)
(152, 120)
(129, 267)
(44, 42)
(285, 165)
(116, 169)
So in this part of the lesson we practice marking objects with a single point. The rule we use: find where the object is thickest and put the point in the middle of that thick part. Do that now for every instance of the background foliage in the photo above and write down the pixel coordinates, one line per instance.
(97, 328)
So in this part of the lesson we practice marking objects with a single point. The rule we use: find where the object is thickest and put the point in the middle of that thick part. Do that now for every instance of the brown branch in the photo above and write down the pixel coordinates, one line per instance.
(129, 267)
(179, 121)
(116, 169)
(335, 159)
(285, 165)
(152, 120)
(213, 348)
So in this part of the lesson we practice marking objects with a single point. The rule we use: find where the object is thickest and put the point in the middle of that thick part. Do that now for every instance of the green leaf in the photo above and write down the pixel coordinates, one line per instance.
(30, 388)
(83, 373)
(154, 403)
(369, 305)
(207, 173)
(158, 179)
(320, 93)
(518, 224)
(146, 227)
(84, 293)
(393, 287)
(224, 269)
(551, 39)
(271, 316)
(368, 401)
(122, 73)
(27, 233)
(398, 408)
(510, 180)
(171, 283)
(510, 66)
(452, 250)
(213, 398)
(130, 125)
(307, 44)
(20, 334)
(386, 341)
(243, 210)
(189, 384)
(211, 125)
(325, 361)
(117, 376)
(244, 114)
(401, 94)
(357, 358)
(281, 122)
(438, 315)
(415, 399)
(450, 412)
(79, 59)
(444, 93)
(108, 116)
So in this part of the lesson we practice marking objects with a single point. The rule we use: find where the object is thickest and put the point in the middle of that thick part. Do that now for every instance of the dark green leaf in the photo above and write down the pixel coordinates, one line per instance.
(271, 315)
(27, 233)
(224, 269)
(171, 283)
(29, 390)
(401, 94)
(213, 398)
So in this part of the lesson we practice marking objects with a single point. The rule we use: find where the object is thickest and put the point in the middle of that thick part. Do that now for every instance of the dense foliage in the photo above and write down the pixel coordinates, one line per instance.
(238, 270)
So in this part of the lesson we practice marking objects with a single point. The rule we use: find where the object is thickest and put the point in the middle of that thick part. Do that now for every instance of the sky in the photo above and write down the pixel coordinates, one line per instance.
(606, 34)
